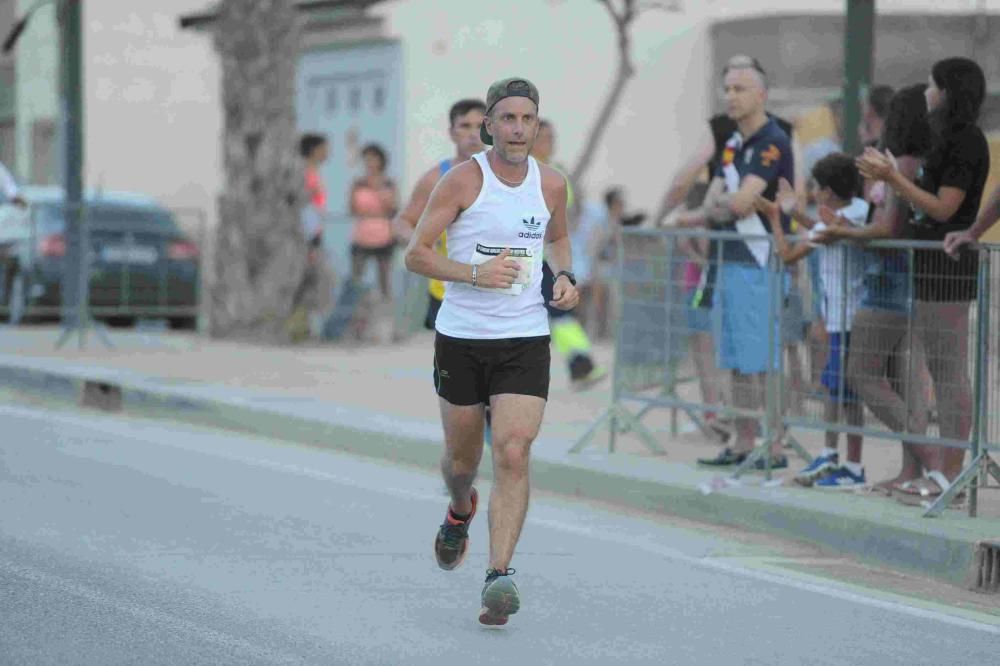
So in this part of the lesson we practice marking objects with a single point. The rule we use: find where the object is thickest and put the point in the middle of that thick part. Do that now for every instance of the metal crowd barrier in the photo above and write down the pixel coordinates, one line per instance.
(142, 261)
(907, 312)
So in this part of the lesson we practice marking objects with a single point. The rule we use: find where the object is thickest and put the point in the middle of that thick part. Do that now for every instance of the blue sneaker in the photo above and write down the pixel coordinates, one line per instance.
(841, 479)
(817, 469)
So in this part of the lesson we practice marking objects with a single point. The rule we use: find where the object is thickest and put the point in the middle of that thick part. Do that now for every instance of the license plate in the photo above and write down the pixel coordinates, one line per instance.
(136, 254)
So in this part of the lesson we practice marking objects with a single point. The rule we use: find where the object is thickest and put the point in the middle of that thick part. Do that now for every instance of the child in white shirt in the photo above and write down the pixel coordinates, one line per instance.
(842, 269)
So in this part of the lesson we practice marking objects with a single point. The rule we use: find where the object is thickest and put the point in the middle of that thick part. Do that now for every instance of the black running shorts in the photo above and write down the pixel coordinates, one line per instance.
(468, 372)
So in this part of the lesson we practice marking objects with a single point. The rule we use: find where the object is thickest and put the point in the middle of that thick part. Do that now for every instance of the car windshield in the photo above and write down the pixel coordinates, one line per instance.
(52, 218)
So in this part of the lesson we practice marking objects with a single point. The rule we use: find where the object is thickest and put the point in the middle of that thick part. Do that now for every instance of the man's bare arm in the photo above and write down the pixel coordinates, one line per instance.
(453, 194)
(742, 202)
(443, 207)
(557, 251)
(406, 221)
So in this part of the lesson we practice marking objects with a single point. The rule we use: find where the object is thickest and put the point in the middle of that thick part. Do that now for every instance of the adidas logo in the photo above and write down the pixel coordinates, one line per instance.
(531, 224)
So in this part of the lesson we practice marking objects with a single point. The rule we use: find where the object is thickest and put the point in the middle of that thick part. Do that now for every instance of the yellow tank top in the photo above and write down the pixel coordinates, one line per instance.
(436, 287)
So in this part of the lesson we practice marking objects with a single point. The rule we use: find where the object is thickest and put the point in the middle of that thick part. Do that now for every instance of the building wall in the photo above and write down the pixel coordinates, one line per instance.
(456, 49)
(153, 113)
(153, 116)
(37, 80)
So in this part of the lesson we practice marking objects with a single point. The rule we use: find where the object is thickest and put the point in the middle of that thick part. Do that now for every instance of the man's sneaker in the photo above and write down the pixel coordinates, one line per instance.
(452, 541)
(818, 468)
(841, 479)
(726, 457)
(595, 375)
(500, 597)
(777, 462)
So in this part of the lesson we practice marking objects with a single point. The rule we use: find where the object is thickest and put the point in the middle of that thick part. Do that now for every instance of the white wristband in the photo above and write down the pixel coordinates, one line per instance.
(474, 270)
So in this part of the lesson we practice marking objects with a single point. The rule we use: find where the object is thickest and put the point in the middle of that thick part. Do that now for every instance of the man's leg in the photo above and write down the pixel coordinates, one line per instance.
(516, 420)
(463, 438)
(458, 383)
(463, 427)
(748, 393)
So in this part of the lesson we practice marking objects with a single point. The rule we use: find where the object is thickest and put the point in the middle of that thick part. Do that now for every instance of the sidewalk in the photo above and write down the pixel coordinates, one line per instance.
(379, 401)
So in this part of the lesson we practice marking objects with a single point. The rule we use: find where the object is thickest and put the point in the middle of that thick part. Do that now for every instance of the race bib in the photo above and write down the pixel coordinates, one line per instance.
(522, 255)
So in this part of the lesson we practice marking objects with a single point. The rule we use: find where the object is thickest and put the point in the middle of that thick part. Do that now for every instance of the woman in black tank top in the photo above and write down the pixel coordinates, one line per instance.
(945, 198)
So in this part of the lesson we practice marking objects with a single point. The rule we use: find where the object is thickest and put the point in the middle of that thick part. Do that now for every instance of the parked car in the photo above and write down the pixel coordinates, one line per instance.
(141, 264)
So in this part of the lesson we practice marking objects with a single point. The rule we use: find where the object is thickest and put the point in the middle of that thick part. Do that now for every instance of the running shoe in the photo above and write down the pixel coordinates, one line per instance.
(841, 479)
(593, 377)
(500, 597)
(452, 541)
(817, 469)
(726, 457)
(777, 462)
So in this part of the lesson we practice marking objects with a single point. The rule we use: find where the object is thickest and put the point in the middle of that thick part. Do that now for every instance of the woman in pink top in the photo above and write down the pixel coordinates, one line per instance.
(373, 205)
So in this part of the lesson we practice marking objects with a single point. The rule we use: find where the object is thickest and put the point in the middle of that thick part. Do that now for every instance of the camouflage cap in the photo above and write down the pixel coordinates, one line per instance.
(512, 87)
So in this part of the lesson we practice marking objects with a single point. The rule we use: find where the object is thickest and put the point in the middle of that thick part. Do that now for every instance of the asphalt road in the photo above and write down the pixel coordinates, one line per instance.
(124, 541)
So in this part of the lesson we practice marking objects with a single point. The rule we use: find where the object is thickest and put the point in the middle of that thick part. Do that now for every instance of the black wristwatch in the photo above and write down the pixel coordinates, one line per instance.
(572, 278)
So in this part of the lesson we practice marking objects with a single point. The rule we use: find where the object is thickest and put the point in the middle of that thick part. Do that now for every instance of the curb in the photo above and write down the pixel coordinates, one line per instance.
(943, 548)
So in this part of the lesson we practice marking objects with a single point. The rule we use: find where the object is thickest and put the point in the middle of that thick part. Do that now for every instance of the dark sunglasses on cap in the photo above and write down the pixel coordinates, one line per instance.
(744, 62)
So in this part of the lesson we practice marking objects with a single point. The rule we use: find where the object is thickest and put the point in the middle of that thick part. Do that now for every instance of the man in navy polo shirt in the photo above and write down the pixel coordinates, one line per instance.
(756, 156)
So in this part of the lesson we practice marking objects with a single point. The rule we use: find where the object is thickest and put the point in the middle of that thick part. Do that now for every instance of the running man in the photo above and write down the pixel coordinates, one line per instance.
(464, 118)
(492, 343)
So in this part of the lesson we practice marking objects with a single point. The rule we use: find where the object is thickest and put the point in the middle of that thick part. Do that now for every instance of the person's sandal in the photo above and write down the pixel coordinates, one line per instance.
(919, 493)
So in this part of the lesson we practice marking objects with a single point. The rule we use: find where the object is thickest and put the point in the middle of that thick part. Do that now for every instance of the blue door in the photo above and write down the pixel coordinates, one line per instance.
(353, 95)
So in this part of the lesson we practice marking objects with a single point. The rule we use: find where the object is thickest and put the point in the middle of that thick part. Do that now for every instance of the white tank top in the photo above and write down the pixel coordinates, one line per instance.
(501, 216)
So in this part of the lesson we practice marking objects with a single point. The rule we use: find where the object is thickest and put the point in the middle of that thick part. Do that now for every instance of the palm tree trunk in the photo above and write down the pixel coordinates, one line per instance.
(259, 251)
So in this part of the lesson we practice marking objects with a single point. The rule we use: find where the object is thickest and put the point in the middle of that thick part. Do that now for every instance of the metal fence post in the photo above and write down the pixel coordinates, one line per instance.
(979, 458)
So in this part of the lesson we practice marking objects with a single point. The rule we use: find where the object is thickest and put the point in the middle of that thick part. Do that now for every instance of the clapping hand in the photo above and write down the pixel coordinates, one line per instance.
(876, 166)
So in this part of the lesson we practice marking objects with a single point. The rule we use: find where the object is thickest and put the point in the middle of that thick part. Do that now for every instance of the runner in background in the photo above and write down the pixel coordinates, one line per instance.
(568, 336)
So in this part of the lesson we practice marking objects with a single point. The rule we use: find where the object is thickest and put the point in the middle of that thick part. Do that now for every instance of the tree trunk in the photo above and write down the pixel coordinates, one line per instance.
(623, 73)
(260, 249)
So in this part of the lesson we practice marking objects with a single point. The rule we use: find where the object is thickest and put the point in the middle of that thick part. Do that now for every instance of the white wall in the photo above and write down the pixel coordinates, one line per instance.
(37, 80)
(455, 49)
(153, 116)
